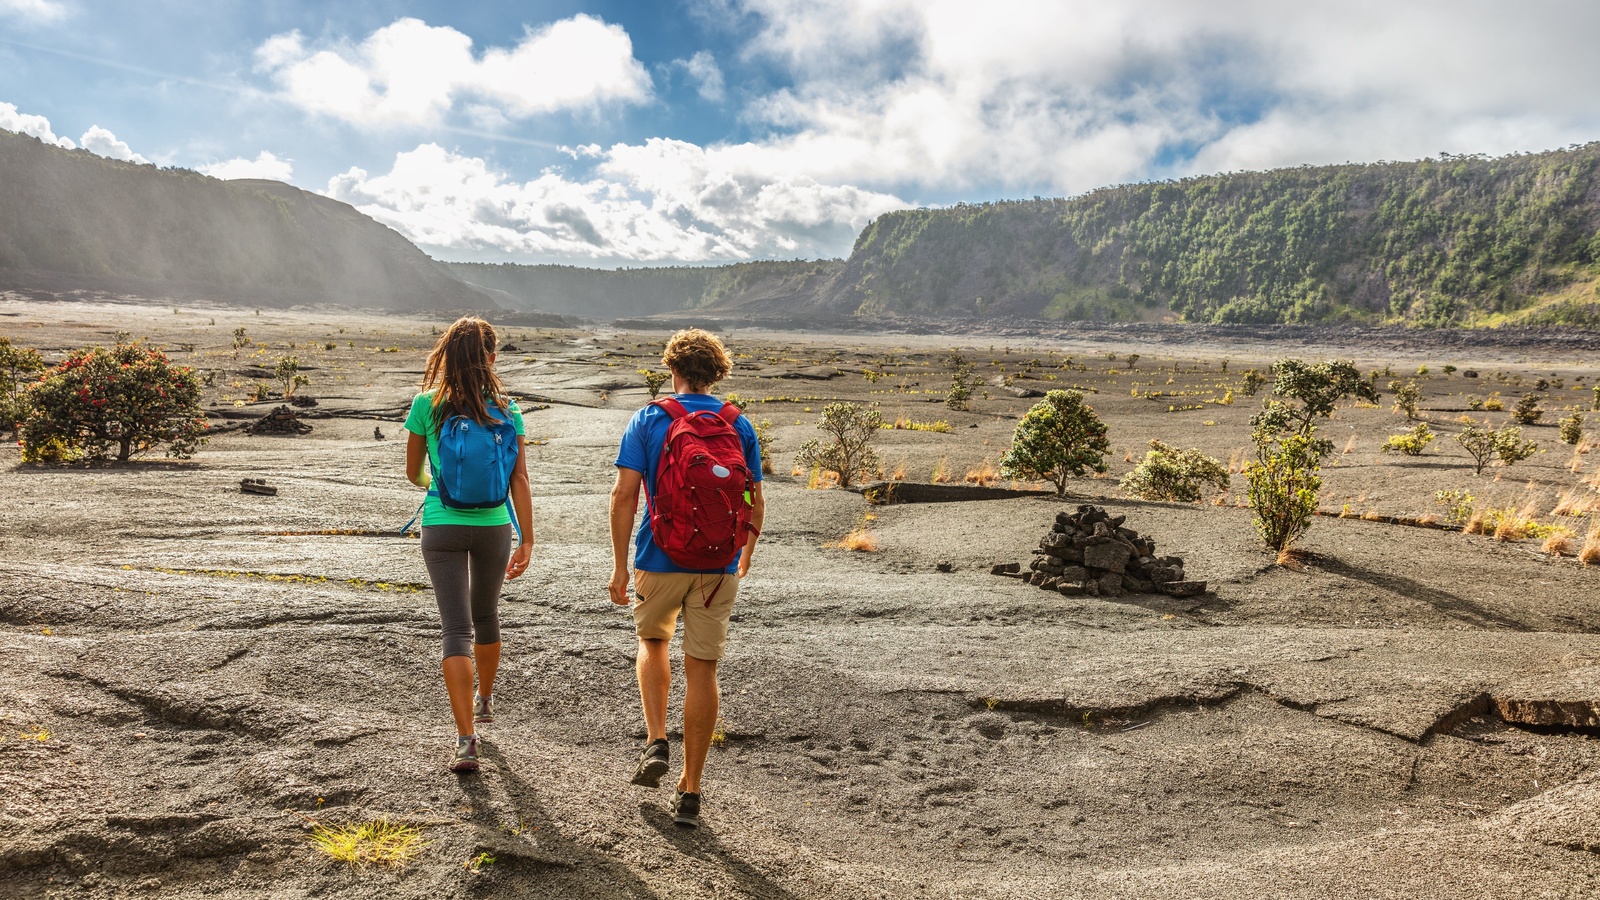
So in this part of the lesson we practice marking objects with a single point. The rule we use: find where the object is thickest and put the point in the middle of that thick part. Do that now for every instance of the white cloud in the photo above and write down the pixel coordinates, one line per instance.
(31, 125)
(661, 201)
(99, 140)
(266, 165)
(1067, 96)
(409, 73)
(44, 12)
(703, 70)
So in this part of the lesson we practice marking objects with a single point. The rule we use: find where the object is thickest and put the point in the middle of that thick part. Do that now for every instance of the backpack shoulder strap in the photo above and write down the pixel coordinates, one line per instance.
(730, 414)
(672, 407)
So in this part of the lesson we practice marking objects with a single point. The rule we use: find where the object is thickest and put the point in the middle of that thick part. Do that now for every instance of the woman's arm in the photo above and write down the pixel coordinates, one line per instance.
(416, 461)
(522, 505)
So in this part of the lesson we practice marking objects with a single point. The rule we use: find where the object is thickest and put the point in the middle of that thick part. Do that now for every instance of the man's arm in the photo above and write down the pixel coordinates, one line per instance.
(758, 514)
(624, 506)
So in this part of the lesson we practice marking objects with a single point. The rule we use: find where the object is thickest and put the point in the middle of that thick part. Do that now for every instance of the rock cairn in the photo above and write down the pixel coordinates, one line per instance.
(282, 420)
(1092, 552)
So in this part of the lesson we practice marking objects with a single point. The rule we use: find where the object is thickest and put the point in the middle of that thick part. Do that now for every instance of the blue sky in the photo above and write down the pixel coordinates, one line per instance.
(694, 131)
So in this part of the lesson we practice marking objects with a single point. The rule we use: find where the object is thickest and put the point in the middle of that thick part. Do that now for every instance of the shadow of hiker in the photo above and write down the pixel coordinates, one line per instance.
(702, 844)
(555, 866)
(1445, 602)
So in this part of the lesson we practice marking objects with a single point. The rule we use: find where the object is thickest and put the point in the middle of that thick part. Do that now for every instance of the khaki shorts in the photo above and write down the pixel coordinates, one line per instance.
(660, 596)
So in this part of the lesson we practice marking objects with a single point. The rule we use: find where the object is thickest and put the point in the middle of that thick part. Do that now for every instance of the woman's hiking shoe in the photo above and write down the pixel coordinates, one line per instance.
(686, 809)
(483, 708)
(653, 763)
(466, 755)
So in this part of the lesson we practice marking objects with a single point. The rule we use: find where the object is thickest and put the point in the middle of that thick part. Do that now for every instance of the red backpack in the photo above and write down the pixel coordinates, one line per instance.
(700, 511)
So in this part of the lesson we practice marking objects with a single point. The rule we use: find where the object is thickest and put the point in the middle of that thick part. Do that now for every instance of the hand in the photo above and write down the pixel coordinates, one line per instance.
(744, 562)
(520, 558)
(618, 587)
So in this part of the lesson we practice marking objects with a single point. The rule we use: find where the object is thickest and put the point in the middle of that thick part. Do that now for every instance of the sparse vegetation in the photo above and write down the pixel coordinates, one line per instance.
(1410, 443)
(1061, 437)
(288, 375)
(847, 450)
(1528, 410)
(1458, 504)
(1485, 444)
(1572, 428)
(1406, 395)
(1167, 473)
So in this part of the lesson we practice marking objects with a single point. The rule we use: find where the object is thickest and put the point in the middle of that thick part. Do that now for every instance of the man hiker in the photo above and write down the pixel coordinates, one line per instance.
(699, 463)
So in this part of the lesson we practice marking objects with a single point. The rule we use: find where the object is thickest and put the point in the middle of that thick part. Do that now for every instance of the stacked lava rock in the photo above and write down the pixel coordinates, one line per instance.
(280, 421)
(1092, 552)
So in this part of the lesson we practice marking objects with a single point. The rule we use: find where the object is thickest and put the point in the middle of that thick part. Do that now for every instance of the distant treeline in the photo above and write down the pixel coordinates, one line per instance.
(1452, 240)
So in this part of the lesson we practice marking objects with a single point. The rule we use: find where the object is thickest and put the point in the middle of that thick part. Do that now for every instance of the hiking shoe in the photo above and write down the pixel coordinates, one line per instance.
(686, 809)
(483, 708)
(466, 755)
(653, 763)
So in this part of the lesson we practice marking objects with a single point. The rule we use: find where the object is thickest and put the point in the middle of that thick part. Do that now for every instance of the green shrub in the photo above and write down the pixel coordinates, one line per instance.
(127, 400)
(16, 364)
(1528, 410)
(1486, 444)
(847, 450)
(1412, 442)
(1059, 438)
(288, 375)
(1457, 502)
(1572, 428)
(654, 381)
(1252, 383)
(960, 394)
(763, 430)
(1406, 395)
(1168, 473)
(1284, 486)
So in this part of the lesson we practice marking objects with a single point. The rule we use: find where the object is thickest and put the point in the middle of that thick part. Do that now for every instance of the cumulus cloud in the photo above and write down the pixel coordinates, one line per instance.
(31, 125)
(266, 165)
(44, 12)
(661, 201)
(1066, 96)
(103, 142)
(409, 73)
(704, 73)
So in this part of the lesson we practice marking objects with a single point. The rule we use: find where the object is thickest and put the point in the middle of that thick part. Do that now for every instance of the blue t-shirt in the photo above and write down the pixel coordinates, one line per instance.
(641, 452)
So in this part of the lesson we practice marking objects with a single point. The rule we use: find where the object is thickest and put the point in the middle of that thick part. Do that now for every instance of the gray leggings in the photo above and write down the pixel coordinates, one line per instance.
(467, 564)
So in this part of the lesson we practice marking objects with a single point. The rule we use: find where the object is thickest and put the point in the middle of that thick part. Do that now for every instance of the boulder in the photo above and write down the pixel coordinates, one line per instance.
(1006, 569)
(1110, 556)
(1111, 585)
(1183, 588)
(1075, 574)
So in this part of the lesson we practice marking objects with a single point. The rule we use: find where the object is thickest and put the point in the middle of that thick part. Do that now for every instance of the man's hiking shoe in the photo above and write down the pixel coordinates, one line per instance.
(686, 809)
(466, 755)
(483, 708)
(653, 763)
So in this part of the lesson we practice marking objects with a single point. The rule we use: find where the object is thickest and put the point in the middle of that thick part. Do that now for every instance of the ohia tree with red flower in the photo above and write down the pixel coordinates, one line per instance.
(121, 402)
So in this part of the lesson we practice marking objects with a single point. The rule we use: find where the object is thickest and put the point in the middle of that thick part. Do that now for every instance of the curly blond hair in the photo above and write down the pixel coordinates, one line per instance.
(697, 357)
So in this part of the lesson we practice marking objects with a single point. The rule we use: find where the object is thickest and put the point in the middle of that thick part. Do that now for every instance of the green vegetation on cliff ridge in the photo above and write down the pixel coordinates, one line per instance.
(1446, 241)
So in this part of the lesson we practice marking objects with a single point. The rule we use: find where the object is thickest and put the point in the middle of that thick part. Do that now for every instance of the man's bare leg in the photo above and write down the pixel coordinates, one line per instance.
(654, 668)
(700, 705)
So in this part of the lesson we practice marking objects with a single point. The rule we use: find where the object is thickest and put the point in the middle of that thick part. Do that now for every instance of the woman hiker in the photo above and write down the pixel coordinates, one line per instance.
(466, 529)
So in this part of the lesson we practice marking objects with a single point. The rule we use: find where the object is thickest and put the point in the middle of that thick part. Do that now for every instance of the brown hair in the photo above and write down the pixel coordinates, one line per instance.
(460, 370)
(698, 357)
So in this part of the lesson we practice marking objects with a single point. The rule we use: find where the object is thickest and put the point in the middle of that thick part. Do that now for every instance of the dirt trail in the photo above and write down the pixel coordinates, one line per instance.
(211, 672)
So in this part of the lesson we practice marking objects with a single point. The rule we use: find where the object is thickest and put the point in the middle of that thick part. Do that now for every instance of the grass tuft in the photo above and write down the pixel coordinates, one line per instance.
(380, 842)
(1589, 554)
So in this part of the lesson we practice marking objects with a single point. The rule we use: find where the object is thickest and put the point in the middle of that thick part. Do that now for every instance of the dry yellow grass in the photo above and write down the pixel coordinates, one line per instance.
(1236, 461)
(1350, 445)
(1576, 502)
(1474, 523)
(983, 474)
(941, 471)
(859, 540)
(1559, 543)
(359, 843)
(899, 473)
(1589, 554)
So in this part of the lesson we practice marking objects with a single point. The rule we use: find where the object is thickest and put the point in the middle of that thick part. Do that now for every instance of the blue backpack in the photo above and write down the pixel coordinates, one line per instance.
(475, 461)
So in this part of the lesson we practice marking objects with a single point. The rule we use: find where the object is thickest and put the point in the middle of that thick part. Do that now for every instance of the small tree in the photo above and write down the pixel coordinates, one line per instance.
(1486, 444)
(1059, 438)
(240, 341)
(1311, 392)
(1133, 360)
(1406, 395)
(654, 381)
(129, 399)
(1252, 383)
(847, 450)
(1412, 442)
(960, 395)
(288, 375)
(1284, 485)
(16, 364)
(1572, 428)
(1168, 473)
(1528, 410)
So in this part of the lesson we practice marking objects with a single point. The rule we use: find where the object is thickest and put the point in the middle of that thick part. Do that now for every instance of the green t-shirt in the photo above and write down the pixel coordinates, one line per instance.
(420, 421)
